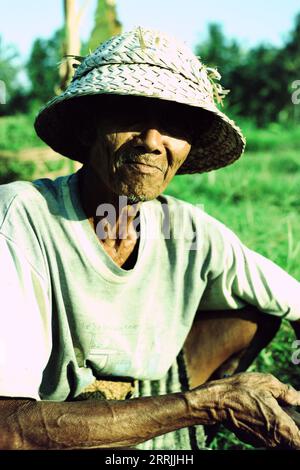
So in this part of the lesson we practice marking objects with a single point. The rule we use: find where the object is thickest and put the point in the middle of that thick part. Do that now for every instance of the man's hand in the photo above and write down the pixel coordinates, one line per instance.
(249, 404)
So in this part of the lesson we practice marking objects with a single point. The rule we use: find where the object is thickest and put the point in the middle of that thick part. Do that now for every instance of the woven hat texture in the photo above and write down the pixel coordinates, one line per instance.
(151, 64)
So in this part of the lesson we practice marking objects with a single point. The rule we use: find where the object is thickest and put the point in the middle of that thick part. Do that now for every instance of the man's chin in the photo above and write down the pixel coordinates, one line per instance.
(136, 198)
(138, 194)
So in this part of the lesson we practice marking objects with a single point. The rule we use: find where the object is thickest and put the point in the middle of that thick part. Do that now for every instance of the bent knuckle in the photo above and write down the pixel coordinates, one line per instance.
(272, 380)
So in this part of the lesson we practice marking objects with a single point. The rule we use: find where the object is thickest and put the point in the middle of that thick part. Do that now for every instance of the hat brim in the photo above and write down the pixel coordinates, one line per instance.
(221, 144)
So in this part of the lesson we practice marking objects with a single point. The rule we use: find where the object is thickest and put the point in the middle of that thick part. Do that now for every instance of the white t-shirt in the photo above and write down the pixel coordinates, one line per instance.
(70, 314)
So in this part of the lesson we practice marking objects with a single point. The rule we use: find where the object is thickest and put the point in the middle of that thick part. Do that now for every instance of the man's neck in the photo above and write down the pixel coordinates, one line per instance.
(96, 199)
(111, 217)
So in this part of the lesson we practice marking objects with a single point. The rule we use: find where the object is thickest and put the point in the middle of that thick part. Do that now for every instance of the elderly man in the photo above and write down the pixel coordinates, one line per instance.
(103, 276)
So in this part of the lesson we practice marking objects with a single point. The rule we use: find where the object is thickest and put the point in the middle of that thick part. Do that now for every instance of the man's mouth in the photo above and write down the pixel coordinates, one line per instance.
(143, 167)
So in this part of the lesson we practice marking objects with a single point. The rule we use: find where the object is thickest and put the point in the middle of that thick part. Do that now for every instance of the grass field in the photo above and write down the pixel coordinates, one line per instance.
(258, 198)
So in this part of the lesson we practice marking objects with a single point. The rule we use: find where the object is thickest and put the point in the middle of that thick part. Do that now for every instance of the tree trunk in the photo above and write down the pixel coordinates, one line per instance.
(71, 43)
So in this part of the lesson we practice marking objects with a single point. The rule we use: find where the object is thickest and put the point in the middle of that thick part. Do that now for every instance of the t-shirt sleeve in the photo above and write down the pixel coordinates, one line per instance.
(25, 337)
(238, 276)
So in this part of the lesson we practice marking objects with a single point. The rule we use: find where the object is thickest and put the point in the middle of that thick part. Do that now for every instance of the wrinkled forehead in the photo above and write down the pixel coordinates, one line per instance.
(126, 109)
(120, 111)
(116, 104)
(109, 114)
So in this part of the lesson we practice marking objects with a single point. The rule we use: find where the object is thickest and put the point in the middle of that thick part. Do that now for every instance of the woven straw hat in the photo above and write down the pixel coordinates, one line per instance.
(150, 64)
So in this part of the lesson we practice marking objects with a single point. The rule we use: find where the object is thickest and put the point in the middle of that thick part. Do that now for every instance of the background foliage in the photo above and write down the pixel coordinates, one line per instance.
(106, 24)
(258, 197)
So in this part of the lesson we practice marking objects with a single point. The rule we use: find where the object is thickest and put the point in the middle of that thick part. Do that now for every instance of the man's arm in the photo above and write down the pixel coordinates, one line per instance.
(239, 276)
(246, 403)
(26, 424)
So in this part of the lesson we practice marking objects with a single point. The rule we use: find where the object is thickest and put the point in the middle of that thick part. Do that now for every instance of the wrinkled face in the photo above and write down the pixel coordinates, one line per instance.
(140, 145)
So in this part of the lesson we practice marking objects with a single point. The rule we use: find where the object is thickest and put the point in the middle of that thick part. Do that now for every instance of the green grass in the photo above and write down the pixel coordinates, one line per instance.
(274, 136)
(17, 132)
(13, 170)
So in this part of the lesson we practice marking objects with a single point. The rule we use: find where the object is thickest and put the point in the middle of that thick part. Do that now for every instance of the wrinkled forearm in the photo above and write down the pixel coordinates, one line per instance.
(28, 424)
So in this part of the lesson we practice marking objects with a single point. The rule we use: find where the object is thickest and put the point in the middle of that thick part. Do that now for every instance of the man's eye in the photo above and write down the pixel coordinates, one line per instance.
(123, 121)
(177, 129)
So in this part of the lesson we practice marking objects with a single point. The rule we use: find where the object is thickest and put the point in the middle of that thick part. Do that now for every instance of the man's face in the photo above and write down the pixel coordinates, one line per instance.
(139, 146)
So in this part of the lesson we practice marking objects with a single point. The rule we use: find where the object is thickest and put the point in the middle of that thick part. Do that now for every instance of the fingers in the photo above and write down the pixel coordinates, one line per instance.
(286, 433)
(288, 395)
(254, 413)
(275, 430)
(293, 413)
(285, 394)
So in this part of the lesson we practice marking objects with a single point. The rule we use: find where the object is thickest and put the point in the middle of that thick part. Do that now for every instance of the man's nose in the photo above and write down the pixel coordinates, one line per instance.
(151, 139)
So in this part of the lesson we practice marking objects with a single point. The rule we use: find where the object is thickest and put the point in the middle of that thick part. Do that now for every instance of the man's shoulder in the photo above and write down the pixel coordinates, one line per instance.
(28, 196)
(175, 203)
(184, 212)
(196, 210)
(9, 191)
(11, 194)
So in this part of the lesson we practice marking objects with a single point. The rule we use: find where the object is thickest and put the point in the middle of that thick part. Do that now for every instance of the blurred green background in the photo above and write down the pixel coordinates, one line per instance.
(258, 197)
